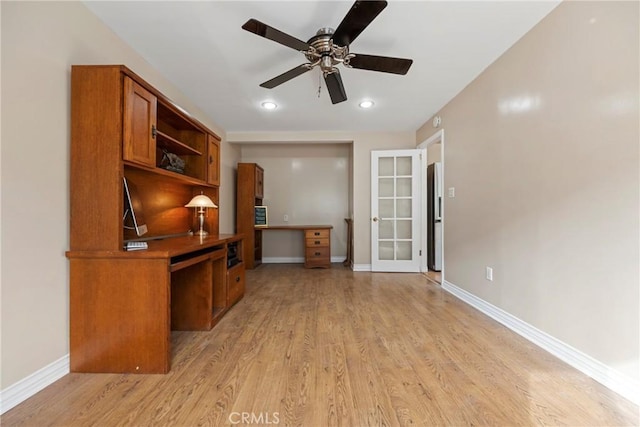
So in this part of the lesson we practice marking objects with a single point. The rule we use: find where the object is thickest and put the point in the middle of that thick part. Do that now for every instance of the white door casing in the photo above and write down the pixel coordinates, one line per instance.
(437, 137)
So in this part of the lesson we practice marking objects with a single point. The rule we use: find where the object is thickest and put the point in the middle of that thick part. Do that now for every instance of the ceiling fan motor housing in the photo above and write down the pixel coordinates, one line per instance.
(325, 53)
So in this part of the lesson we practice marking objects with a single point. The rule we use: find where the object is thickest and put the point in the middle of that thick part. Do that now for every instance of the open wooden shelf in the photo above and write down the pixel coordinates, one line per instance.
(174, 146)
(185, 179)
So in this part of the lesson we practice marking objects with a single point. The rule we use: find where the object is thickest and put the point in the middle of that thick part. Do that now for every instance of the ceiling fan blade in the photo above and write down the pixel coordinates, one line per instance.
(361, 14)
(285, 77)
(384, 64)
(263, 30)
(335, 87)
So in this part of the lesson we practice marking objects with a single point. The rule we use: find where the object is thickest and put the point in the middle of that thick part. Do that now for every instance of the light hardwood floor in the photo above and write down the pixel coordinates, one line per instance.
(333, 347)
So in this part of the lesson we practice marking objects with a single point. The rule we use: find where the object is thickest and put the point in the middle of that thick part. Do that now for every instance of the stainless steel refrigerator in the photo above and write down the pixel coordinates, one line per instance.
(434, 216)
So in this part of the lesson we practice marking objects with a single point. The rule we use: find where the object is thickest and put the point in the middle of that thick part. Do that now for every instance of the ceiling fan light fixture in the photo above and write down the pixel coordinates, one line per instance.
(367, 103)
(269, 105)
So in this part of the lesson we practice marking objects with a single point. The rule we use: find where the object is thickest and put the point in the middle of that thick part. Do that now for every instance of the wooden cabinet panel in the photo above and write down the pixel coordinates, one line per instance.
(259, 183)
(235, 284)
(96, 159)
(213, 160)
(140, 109)
(119, 315)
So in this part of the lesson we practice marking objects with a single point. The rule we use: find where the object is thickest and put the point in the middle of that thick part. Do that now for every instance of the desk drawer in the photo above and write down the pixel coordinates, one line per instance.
(235, 284)
(317, 234)
(317, 257)
(318, 242)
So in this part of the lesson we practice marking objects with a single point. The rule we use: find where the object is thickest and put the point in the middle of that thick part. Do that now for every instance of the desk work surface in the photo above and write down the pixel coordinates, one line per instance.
(163, 248)
(294, 227)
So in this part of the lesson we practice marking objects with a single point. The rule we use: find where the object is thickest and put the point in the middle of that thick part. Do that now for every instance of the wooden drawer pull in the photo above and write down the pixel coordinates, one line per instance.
(317, 253)
(317, 242)
(317, 233)
(237, 278)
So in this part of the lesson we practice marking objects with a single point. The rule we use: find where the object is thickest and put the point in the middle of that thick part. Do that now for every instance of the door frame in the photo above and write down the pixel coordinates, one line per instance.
(433, 139)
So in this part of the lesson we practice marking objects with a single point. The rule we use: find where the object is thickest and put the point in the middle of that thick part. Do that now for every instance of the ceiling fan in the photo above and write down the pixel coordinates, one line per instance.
(329, 48)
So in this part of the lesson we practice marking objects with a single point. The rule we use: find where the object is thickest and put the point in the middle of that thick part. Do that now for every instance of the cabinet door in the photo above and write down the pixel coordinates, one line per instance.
(140, 109)
(213, 160)
(235, 284)
(259, 182)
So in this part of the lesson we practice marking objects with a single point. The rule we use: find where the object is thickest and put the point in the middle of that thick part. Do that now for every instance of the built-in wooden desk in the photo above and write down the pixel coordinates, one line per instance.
(123, 305)
(317, 243)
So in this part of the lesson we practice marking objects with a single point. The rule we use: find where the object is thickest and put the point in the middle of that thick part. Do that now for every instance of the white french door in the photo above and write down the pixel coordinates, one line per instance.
(396, 210)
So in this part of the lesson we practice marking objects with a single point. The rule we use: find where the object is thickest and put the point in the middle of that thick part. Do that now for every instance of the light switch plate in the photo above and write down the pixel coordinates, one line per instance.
(452, 192)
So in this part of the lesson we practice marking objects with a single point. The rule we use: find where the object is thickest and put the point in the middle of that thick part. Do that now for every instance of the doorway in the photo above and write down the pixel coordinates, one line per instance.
(433, 209)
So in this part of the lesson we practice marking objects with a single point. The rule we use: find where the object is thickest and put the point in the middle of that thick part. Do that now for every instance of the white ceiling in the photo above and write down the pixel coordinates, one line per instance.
(201, 48)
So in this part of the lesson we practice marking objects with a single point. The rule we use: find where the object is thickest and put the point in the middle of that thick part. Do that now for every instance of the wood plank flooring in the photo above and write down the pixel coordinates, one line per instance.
(337, 348)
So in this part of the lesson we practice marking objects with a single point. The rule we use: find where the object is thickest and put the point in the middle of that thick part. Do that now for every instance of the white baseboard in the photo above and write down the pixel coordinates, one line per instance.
(28, 386)
(361, 267)
(605, 375)
(294, 260)
(282, 260)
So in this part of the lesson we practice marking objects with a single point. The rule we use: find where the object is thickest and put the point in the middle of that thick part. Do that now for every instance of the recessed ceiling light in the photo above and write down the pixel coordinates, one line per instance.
(268, 105)
(366, 104)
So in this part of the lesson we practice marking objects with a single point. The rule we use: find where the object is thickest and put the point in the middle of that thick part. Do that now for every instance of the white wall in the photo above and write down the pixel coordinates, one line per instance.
(543, 151)
(310, 184)
(40, 42)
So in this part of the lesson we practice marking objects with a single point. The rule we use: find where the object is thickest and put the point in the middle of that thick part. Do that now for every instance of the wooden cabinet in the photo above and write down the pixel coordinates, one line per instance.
(113, 114)
(249, 194)
(123, 305)
(317, 248)
(139, 132)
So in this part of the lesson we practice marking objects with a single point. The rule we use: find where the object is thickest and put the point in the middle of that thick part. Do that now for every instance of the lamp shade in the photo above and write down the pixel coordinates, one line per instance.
(201, 201)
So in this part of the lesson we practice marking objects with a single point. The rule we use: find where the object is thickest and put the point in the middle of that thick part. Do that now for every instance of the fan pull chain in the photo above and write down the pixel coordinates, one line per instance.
(319, 83)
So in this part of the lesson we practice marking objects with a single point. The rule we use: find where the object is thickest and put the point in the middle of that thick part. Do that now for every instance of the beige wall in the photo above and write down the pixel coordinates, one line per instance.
(310, 184)
(542, 149)
(433, 153)
(362, 144)
(40, 41)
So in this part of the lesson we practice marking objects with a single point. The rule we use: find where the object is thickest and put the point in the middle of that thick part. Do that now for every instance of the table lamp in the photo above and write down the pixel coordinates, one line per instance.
(201, 202)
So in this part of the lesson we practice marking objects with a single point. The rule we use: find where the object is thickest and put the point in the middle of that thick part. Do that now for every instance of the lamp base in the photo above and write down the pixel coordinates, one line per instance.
(201, 233)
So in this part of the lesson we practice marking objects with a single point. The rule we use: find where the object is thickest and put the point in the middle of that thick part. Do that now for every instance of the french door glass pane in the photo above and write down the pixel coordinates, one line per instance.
(403, 251)
(385, 208)
(385, 166)
(385, 187)
(403, 166)
(385, 250)
(403, 229)
(403, 187)
(385, 229)
(403, 208)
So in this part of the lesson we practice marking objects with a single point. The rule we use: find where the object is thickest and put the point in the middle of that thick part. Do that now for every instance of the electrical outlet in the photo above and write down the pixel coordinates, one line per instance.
(489, 274)
(286, 218)
(452, 191)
